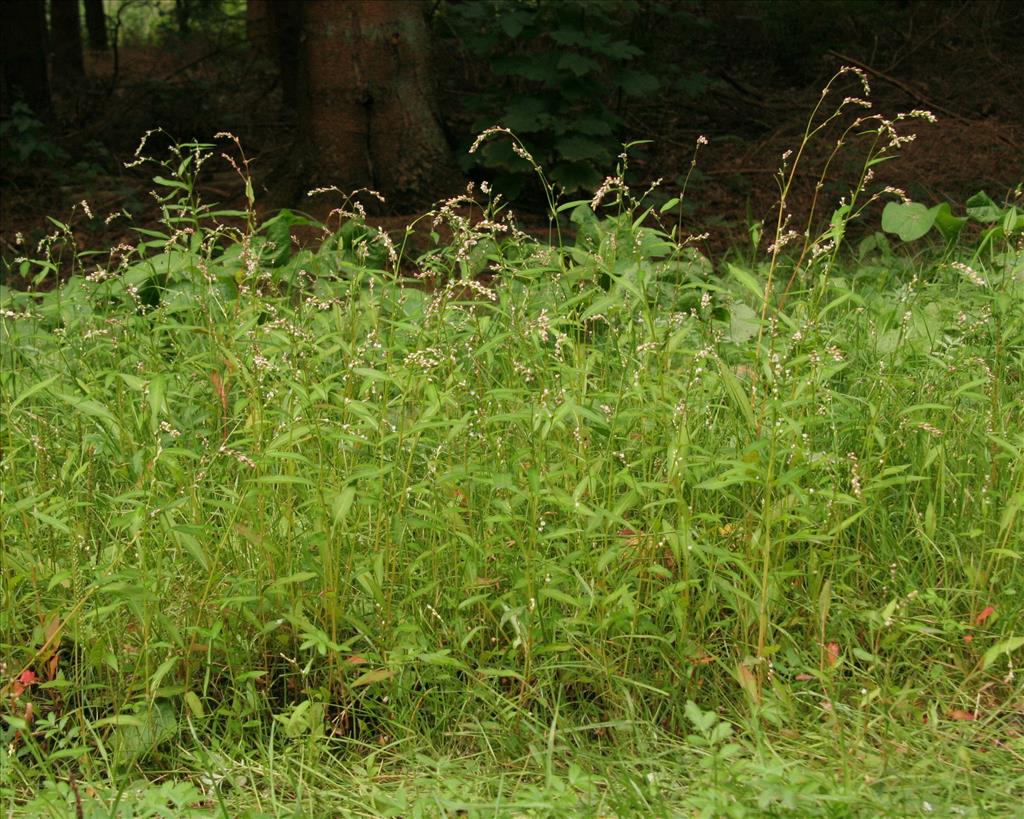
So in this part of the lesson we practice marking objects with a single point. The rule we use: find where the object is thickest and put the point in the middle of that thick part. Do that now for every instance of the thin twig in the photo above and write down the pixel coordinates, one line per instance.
(913, 92)
(758, 171)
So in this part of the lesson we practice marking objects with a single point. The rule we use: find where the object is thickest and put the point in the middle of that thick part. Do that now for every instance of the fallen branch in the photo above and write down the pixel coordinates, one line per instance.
(932, 106)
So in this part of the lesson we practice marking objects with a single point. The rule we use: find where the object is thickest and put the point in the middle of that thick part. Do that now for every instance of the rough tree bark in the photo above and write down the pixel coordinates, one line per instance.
(96, 24)
(259, 25)
(66, 38)
(274, 30)
(367, 101)
(24, 57)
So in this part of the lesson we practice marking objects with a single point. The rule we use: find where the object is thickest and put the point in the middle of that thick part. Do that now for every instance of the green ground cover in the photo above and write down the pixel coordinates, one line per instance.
(590, 527)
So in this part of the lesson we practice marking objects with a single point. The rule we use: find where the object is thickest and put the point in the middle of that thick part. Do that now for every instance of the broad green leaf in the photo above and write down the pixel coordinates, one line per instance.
(292, 579)
(981, 208)
(440, 658)
(88, 407)
(702, 720)
(290, 436)
(170, 183)
(527, 115)
(162, 671)
(594, 126)
(370, 677)
(293, 480)
(1012, 220)
(191, 544)
(512, 23)
(39, 386)
(1004, 647)
(621, 50)
(118, 719)
(573, 176)
(744, 323)
(136, 735)
(908, 220)
(195, 705)
(748, 280)
(578, 64)
(342, 502)
(948, 224)
(548, 593)
(157, 401)
(570, 36)
(50, 520)
(581, 148)
(737, 393)
(671, 203)
(637, 83)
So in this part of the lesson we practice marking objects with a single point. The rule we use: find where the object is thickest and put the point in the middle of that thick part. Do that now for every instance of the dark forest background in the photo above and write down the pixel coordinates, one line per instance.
(391, 95)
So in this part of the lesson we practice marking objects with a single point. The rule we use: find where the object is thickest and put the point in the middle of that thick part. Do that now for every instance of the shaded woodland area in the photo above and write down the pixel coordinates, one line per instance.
(401, 89)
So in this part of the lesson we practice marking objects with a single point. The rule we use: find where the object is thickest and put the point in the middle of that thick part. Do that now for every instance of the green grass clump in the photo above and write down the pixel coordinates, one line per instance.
(603, 532)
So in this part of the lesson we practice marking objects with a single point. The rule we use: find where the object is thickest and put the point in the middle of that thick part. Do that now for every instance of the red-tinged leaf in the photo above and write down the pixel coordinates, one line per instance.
(748, 682)
(375, 676)
(632, 537)
(51, 667)
(355, 659)
(804, 677)
(986, 612)
(220, 390)
(52, 627)
(832, 654)
(962, 716)
(24, 680)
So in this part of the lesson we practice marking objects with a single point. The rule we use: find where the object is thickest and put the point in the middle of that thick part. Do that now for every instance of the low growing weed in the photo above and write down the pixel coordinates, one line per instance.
(601, 531)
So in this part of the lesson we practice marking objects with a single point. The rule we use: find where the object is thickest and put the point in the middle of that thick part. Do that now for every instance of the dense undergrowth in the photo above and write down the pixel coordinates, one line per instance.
(587, 527)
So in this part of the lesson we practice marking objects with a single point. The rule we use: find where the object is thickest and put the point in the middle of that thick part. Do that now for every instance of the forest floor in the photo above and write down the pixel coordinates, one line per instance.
(751, 113)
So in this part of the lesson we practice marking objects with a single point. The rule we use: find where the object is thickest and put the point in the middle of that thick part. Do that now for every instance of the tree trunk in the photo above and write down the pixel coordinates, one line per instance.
(259, 25)
(96, 24)
(24, 57)
(368, 107)
(274, 30)
(66, 38)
